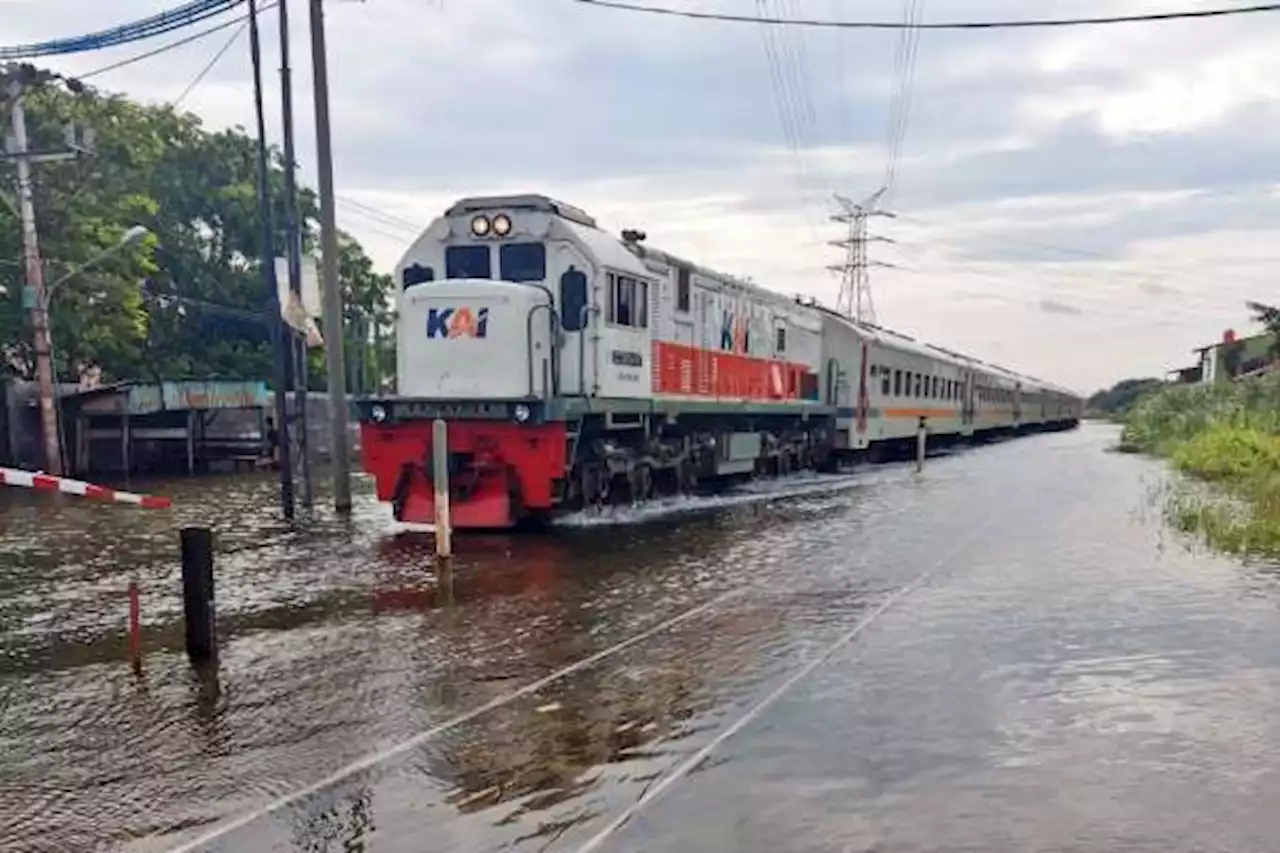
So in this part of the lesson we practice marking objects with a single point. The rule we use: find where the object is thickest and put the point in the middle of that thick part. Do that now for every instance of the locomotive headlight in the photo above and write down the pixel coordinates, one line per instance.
(378, 413)
(480, 226)
(502, 225)
(521, 413)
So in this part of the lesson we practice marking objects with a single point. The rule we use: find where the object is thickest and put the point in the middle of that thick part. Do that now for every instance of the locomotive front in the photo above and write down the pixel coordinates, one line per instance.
(478, 343)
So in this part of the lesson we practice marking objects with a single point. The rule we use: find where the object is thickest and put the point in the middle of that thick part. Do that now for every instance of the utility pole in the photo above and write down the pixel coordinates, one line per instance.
(855, 284)
(275, 321)
(334, 361)
(16, 79)
(293, 255)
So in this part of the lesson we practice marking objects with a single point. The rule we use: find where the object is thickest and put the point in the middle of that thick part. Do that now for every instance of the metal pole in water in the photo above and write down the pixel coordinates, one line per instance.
(440, 478)
(922, 443)
(197, 594)
(135, 626)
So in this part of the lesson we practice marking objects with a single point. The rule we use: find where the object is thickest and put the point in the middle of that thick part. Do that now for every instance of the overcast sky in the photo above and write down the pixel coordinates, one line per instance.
(1083, 205)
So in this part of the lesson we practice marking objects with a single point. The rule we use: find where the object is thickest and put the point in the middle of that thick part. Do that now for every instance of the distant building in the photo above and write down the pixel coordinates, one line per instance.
(1232, 357)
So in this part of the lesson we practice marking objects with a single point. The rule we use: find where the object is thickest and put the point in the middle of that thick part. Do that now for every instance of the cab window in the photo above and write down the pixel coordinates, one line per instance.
(628, 301)
(467, 262)
(522, 261)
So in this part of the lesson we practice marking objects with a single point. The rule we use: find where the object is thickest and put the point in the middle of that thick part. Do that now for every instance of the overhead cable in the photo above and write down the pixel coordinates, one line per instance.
(1031, 23)
(164, 48)
(177, 102)
(189, 13)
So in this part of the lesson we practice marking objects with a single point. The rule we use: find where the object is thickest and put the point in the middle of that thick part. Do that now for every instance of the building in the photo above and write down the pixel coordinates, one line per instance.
(1232, 357)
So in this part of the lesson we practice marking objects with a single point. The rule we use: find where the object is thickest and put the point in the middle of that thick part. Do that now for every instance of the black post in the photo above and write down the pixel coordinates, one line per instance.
(279, 338)
(197, 594)
(293, 239)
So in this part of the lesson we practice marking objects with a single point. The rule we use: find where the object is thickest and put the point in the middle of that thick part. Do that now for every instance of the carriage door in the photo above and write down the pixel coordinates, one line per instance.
(704, 384)
(573, 296)
(966, 411)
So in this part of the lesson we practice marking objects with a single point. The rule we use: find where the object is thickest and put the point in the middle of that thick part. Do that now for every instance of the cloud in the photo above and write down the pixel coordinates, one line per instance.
(1083, 204)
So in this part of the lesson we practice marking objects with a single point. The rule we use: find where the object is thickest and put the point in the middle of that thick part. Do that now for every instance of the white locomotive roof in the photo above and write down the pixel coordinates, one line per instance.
(609, 250)
(527, 201)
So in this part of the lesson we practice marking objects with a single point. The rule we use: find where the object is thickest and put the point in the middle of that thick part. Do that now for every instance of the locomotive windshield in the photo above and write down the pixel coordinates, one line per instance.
(522, 262)
(467, 262)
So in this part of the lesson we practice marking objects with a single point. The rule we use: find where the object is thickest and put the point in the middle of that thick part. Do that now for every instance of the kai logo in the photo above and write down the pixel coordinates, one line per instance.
(460, 322)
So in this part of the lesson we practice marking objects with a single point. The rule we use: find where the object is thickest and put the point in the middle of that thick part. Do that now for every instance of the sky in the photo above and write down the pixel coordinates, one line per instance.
(1082, 205)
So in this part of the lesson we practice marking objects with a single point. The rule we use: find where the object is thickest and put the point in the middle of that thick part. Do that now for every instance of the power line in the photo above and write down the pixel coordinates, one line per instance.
(174, 44)
(390, 219)
(625, 6)
(185, 15)
(209, 66)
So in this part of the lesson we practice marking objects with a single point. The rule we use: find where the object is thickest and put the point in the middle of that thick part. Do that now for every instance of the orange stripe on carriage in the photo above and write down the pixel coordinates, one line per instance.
(921, 413)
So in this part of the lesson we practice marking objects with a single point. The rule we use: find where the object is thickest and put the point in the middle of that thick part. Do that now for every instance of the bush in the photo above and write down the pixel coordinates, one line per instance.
(1228, 435)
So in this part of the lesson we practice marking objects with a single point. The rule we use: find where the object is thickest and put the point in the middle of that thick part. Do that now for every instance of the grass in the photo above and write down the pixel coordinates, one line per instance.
(1227, 436)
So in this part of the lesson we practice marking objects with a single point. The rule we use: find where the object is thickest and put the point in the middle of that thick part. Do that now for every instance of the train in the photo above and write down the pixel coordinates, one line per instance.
(574, 368)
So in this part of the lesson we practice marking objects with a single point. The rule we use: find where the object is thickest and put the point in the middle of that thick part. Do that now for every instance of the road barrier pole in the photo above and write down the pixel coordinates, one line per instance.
(197, 594)
(440, 478)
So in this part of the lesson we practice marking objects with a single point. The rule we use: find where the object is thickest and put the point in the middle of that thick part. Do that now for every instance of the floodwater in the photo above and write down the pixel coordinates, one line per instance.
(1007, 652)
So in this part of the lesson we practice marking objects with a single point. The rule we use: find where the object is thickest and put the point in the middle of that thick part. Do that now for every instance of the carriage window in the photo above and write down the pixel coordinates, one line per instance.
(682, 289)
(573, 300)
(884, 381)
(780, 345)
(522, 261)
(416, 274)
(935, 387)
(897, 383)
(467, 262)
(919, 383)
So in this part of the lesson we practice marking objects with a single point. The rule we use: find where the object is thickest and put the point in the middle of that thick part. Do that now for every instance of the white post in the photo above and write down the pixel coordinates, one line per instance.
(440, 476)
(922, 442)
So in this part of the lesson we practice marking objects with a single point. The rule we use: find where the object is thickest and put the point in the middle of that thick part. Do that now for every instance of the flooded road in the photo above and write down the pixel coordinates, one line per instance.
(1007, 652)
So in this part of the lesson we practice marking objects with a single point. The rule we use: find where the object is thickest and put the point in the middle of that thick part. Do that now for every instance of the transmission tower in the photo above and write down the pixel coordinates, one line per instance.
(855, 283)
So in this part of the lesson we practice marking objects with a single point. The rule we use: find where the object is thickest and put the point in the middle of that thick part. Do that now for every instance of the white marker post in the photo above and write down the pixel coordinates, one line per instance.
(922, 443)
(440, 475)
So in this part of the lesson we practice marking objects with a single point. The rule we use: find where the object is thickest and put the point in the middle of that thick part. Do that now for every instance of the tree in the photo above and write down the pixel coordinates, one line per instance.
(1120, 397)
(189, 303)
(1268, 316)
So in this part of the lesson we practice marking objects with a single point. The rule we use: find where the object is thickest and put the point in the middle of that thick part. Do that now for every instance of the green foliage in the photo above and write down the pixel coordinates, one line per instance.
(1120, 397)
(189, 302)
(1228, 435)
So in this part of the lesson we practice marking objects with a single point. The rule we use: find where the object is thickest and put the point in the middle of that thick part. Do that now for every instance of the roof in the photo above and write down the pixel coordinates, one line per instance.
(141, 398)
(528, 201)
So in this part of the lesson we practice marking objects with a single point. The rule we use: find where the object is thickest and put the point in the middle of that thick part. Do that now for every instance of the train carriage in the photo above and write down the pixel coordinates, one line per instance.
(575, 367)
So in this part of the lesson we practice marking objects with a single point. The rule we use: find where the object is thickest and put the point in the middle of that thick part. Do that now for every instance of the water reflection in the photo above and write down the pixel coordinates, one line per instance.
(340, 638)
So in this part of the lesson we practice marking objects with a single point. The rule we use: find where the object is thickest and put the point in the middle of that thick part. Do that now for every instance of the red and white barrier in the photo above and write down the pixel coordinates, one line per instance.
(49, 483)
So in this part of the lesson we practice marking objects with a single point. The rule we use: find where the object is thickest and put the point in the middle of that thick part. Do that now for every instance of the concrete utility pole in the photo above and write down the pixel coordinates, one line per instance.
(334, 361)
(16, 80)
(293, 255)
(855, 284)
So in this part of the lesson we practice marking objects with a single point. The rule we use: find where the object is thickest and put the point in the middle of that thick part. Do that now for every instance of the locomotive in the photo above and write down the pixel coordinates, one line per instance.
(574, 368)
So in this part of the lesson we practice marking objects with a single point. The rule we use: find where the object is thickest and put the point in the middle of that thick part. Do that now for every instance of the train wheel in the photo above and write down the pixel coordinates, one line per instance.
(595, 485)
(641, 483)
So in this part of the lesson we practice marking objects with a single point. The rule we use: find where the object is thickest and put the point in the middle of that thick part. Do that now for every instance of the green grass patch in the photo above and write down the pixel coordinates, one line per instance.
(1227, 436)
